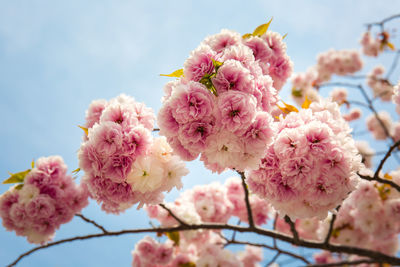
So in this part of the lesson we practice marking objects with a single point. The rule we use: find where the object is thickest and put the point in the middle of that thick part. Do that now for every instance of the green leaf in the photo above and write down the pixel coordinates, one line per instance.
(206, 81)
(216, 64)
(283, 38)
(247, 35)
(262, 29)
(174, 236)
(76, 170)
(187, 264)
(33, 164)
(86, 130)
(177, 74)
(18, 177)
(19, 187)
(296, 93)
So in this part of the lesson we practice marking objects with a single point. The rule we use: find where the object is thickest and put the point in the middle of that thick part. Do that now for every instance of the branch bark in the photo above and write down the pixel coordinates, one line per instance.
(373, 255)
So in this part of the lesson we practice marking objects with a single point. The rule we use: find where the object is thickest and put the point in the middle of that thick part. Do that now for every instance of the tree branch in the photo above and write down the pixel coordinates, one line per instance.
(292, 229)
(235, 242)
(393, 147)
(246, 199)
(394, 65)
(273, 259)
(342, 263)
(375, 255)
(380, 23)
(92, 222)
(173, 215)
(329, 234)
(380, 180)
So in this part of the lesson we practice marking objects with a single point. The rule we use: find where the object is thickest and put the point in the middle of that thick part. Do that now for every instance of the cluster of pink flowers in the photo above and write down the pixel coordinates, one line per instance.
(306, 228)
(213, 203)
(311, 165)
(150, 253)
(369, 218)
(381, 87)
(375, 127)
(366, 152)
(370, 46)
(48, 198)
(339, 62)
(220, 108)
(396, 97)
(303, 86)
(339, 95)
(123, 164)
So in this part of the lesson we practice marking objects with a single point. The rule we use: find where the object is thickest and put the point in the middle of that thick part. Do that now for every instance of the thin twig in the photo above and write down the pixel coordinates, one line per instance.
(292, 229)
(332, 222)
(380, 23)
(246, 199)
(92, 222)
(273, 259)
(394, 65)
(173, 215)
(291, 254)
(380, 180)
(234, 232)
(393, 147)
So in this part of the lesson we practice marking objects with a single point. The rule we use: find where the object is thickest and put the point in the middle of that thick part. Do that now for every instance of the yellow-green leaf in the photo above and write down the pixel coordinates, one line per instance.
(177, 74)
(390, 45)
(187, 264)
(283, 38)
(16, 177)
(247, 35)
(33, 164)
(216, 63)
(387, 176)
(174, 236)
(262, 29)
(76, 170)
(296, 93)
(306, 104)
(287, 108)
(19, 187)
(86, 130)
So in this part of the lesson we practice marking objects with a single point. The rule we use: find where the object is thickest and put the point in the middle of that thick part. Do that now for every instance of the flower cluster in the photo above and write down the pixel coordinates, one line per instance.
(370, 46)
(374, 125)
(381, 87)
(311, 165)
(150, 253)
(48, 198)
(369, 218)
(396, 97)
(339, 62)
(123, 164)
(220, 108)
(303, 86)
(207, 203)
(306, 228)
(213, 203)
(366, 153)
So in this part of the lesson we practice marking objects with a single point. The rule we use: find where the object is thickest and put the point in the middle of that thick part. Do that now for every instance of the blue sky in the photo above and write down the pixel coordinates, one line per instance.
(56, 57)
